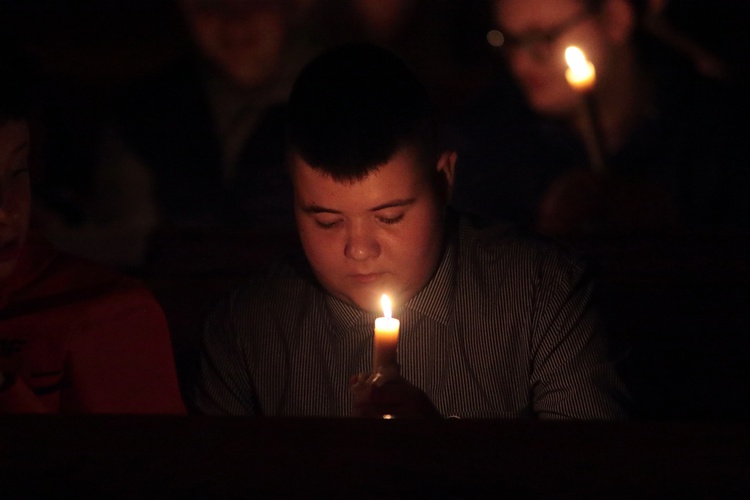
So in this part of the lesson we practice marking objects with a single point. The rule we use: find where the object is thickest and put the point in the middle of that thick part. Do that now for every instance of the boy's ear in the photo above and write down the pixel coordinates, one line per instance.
(446, 167)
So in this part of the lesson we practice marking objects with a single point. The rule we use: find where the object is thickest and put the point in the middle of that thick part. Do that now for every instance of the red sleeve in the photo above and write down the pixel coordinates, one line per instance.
(122, 361)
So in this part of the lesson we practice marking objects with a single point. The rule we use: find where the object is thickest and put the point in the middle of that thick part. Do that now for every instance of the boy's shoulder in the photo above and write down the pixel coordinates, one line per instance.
(480, 236)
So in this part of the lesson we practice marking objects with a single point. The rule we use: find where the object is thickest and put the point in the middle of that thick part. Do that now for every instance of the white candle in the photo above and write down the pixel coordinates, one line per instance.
(386, 337)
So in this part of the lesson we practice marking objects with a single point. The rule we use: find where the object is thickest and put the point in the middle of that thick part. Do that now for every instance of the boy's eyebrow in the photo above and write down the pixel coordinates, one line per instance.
(394, 203)
(317, 209)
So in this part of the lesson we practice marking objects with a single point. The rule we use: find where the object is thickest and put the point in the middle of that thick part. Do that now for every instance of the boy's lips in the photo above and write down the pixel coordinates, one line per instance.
(364, 278)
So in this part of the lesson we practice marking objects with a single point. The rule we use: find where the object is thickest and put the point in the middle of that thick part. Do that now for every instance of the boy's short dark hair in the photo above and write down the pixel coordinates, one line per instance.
(353, 107)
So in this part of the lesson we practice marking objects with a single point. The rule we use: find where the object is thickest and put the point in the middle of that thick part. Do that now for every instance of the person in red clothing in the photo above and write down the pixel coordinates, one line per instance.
(75, 337)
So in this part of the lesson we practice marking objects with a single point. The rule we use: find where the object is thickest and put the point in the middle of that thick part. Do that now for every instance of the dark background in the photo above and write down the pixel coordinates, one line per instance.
(99, 44)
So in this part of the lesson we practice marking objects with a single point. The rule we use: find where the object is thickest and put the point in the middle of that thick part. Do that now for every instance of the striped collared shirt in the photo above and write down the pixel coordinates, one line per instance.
(503, 329)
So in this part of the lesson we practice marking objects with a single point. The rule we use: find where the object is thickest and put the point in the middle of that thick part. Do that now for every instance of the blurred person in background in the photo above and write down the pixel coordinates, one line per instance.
(197, 147)
(75, 337)
(665, 220)
(190, 191)
(672, 139)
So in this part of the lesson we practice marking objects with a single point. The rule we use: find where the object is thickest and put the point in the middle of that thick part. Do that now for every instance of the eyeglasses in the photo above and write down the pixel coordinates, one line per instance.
(538, 43)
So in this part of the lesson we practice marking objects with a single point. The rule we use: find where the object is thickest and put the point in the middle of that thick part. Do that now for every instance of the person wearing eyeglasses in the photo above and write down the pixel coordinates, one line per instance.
(672, 141)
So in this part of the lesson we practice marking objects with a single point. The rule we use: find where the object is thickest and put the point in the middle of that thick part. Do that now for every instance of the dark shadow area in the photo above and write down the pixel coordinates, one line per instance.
(680, 303)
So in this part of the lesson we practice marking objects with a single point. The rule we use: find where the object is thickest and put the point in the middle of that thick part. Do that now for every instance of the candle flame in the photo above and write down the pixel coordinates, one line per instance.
(580, 73)
(386, 303)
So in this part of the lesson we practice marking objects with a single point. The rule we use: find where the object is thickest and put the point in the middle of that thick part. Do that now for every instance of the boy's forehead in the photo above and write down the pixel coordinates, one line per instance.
(307, 178)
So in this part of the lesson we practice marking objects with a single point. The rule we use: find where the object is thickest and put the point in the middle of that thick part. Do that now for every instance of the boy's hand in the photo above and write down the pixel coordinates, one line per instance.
(385, 394)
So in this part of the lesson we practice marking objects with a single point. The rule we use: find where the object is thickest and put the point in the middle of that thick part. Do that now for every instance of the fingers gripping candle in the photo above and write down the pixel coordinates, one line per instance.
(386, 337)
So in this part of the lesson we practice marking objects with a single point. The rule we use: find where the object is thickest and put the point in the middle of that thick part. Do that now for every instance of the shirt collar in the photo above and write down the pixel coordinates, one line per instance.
(344, 316)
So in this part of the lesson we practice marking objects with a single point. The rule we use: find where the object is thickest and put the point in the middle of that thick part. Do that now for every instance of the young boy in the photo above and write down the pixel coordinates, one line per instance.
(493, 325)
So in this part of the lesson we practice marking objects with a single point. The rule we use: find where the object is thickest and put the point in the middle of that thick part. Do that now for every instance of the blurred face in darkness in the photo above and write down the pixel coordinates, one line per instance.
(384, 19)
(244, 39)
(15, 193)
(381, 234)
(537, 33)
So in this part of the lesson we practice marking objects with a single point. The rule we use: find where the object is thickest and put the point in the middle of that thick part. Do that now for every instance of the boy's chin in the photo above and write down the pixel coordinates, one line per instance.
(370, 302)
(374, 303)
